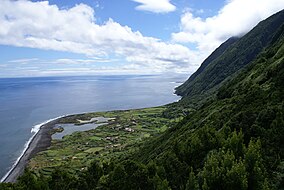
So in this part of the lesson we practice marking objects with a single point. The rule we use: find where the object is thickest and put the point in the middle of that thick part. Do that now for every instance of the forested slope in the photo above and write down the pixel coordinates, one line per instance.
(233, 57)
(232, 141)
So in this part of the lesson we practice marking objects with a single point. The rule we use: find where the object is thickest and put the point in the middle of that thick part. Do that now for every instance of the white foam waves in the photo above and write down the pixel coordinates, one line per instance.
(34, 130)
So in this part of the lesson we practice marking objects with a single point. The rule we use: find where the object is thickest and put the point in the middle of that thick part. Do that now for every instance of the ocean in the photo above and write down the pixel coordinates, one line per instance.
(27, 102)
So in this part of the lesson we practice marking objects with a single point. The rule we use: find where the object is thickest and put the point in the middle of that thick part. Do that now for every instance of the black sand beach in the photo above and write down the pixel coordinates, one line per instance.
(40, 142)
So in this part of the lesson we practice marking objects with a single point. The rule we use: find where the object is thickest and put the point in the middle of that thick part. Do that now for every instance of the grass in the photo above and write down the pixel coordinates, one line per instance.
(78, 150)
(94, 150)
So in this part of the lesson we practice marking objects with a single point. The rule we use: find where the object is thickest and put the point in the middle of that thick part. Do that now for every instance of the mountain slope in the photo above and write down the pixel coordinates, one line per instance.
(235, 57)
(217, 53)
(234, 141)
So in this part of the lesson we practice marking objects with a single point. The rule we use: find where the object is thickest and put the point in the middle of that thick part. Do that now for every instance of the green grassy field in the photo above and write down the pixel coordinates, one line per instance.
(78, 150)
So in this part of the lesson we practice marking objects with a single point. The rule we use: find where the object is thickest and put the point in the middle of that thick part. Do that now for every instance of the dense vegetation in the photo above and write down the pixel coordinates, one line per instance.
(233, 140)
(226, 61)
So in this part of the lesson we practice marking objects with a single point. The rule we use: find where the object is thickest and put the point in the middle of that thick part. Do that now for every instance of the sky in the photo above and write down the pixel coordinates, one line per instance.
(106, 37)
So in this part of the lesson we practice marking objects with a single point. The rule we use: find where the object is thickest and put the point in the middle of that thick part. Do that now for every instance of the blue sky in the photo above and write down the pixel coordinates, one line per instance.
(89, 37)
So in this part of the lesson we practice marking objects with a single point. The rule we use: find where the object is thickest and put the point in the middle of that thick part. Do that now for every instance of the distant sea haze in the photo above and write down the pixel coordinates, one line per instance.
(27, 102)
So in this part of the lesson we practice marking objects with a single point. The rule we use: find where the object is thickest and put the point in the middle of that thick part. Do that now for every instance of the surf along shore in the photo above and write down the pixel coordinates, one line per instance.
(121, 133)
(42, 139)
(39, 142)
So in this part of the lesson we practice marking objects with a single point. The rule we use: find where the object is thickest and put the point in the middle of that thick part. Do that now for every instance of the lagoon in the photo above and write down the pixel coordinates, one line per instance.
(26, 102)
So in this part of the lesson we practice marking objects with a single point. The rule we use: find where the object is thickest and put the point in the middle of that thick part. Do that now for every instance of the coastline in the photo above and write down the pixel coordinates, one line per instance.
(40, 141)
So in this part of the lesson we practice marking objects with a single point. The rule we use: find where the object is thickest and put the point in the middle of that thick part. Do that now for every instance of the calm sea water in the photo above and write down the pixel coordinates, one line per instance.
(25, 102)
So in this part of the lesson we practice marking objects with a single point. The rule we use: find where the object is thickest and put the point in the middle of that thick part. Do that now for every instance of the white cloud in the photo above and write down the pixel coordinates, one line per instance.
(67, 66)
(44, 26)
(64, 61)
(23, 60)
(236, 18)
(156, 6)
(82, 61)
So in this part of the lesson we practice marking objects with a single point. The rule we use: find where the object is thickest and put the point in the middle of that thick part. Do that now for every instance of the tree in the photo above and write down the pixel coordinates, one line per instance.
(93, 175)
(192, 183)
(28, 181)
(254, 166)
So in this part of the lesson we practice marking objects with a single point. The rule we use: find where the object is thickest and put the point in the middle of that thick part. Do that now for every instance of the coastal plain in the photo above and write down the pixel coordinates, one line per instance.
(120, 135)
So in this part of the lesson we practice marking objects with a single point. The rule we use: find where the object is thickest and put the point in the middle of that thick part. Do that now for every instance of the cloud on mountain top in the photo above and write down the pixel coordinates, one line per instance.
(236, 18)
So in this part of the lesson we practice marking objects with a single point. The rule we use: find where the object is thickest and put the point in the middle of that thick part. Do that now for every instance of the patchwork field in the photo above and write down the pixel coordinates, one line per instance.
(123, 131)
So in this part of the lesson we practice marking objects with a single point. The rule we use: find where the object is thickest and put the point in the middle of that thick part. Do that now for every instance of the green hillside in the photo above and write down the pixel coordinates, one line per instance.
(181, 90)
(232, 140)
(230, 59)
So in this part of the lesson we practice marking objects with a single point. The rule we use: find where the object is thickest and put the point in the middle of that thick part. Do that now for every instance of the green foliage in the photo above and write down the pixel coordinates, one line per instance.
(223, 171)
(62, 180)
(235, 143)
(94, 174)
(6, 186)
(192, 183)
(28, 181)
(227, 60)
(232, 141)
